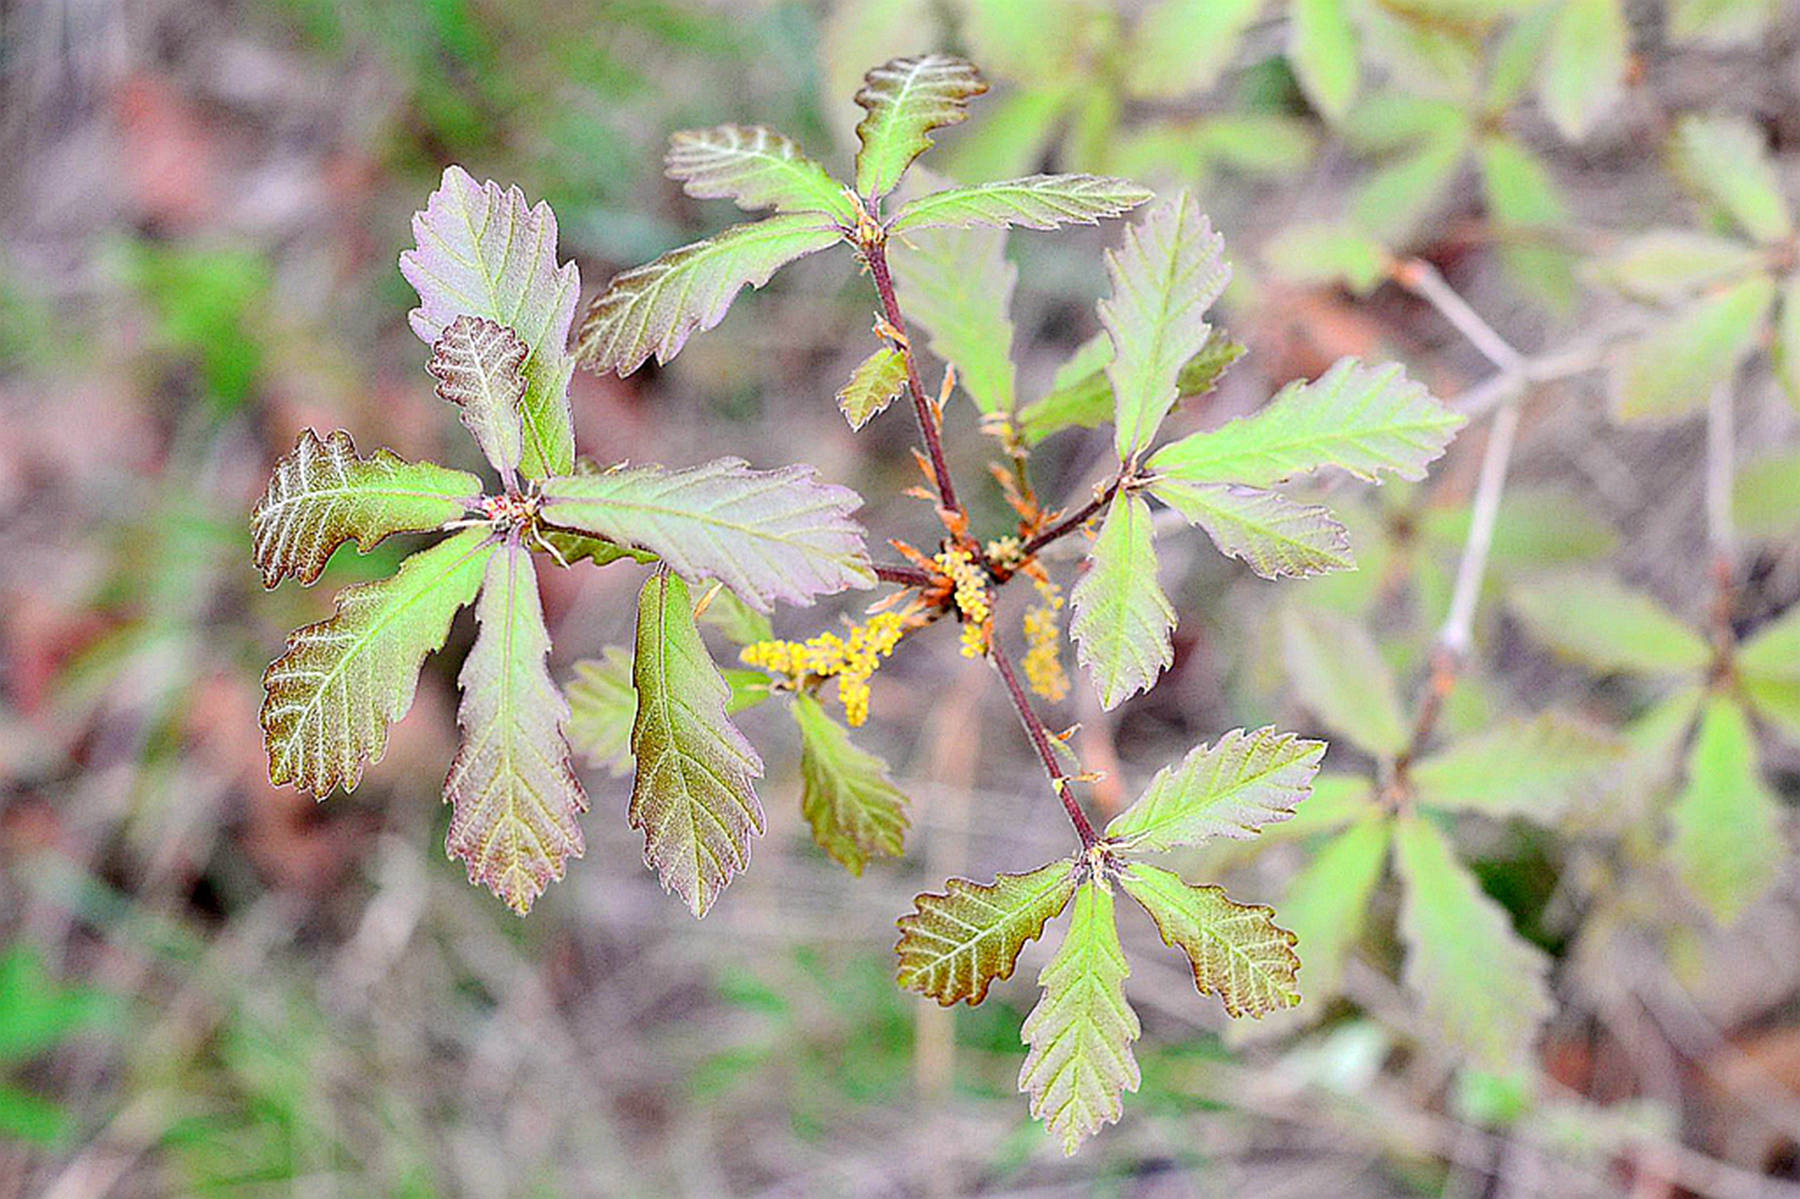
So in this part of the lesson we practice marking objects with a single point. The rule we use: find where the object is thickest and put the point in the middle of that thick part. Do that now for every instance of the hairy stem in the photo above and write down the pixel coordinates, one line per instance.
(905, 576)
(1040, 740)
(1079, 517)
(874, 252)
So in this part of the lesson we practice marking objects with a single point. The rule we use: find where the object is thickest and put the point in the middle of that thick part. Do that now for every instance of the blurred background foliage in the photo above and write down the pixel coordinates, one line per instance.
(208, 986)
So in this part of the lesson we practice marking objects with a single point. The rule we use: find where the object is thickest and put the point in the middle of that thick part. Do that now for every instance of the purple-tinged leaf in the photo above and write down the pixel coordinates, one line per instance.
(479, 366)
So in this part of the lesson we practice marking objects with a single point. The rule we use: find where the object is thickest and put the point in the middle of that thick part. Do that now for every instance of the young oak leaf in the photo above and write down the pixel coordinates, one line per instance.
(1164, 278)
(1080, 1062)
(603, 707)
(485, 253)
(1481, 983)
(514, 799)
(331, 696)
(1236, 949)
(1532, 768)
(954, 945)
(1082, 395)
(1597, 620)
(904, 99)
(957, 285)
(1364, 419)
(756, 168)
(855, 811)
(323, 495)
(1122, 619)
(654, 308)
(695, 792)
(1341, 678)
(1728, 841)
(874, 384)
(768, 535)
(1327, 904)
(1035, 202)
(1274, 535)
(479, 366)
(1231, 789)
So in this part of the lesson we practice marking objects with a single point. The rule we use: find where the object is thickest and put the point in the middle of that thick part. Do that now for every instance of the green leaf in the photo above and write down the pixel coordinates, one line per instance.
(1236, 949)
(323, 495)
(1392, 202)
(1726, 161)
(737, 620)
(1231, 789)
(855, 811)
(1081, 393)
(1273, 534)
(957, 285)
(513, 795)
(1082, 1028)
(1768, 666)
(1180, 47)
(1122, 619)
(695, 794)
(1584, 64)
(1664, 266)
(483, 252)
(1481, 983)
(1787, 340)
(1765, 496)
(775, 534)
(1322, 50)
(332, 695)
(1365, 419)
(1339, 675)
(479, 365)
(29, 1118)
(1720, 22)
(654, 308)
(905, 99)
(1164, 278)
(874, 384)
(954, 945)
(603, 707)
(1337, 799)
(1327, 904)
(1727, 822)
(757, 168)
(37, 1012)
(1599, 621)
(1035, 202)
(1672, 369)
(1328, 254)
(1518, 187)
(1535, 768)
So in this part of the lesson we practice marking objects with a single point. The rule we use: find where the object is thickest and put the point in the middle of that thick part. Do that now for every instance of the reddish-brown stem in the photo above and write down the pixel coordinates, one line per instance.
(874, 252)
(1040, 740)
(905, 576)
(1080, 517)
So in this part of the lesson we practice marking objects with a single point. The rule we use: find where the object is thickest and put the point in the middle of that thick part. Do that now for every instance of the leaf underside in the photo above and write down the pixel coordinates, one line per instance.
(322, 495)
(1035, 202)
(756, 168)
(768, 535)
(479, 366)
(1236, 950)
(875, 383)
(695, 793)
(1122, 619)
(1275, 536)
(955, 944)
(513, 795)
(331, 696)
(855, 811)
(1230, 789)
(904, 99)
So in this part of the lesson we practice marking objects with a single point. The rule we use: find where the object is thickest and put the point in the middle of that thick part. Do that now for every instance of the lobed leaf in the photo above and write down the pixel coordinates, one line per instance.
(775, 534)
(1230, 789)
(1584, 64)
(905, 99)
(323, 495)
(1327, 904)
(1728, 841)
(1236, 949)
(1532, 768)
(855, 811)
(479, 366)
(1482, 984)
(955, 944)
(1768, 667)
(957, 285)
(603, 707)
(1726, 160)
(1122, 619)
(330, 698)
(876, 382)
(514, 798)
(1339, 675)
(1599, 621)
(1081, 1030)
(485, 253)
(695, 794)
(654, 308)
(1164, 278)
(1082, 395)
(1365, 419)
(1272, 533)
(1671, 370)
(757, 168)
(1035, 202)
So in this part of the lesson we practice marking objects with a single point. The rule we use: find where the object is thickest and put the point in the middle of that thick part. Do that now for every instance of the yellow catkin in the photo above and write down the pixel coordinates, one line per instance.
(850, 658)
(1043, 639)
(971, 597)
